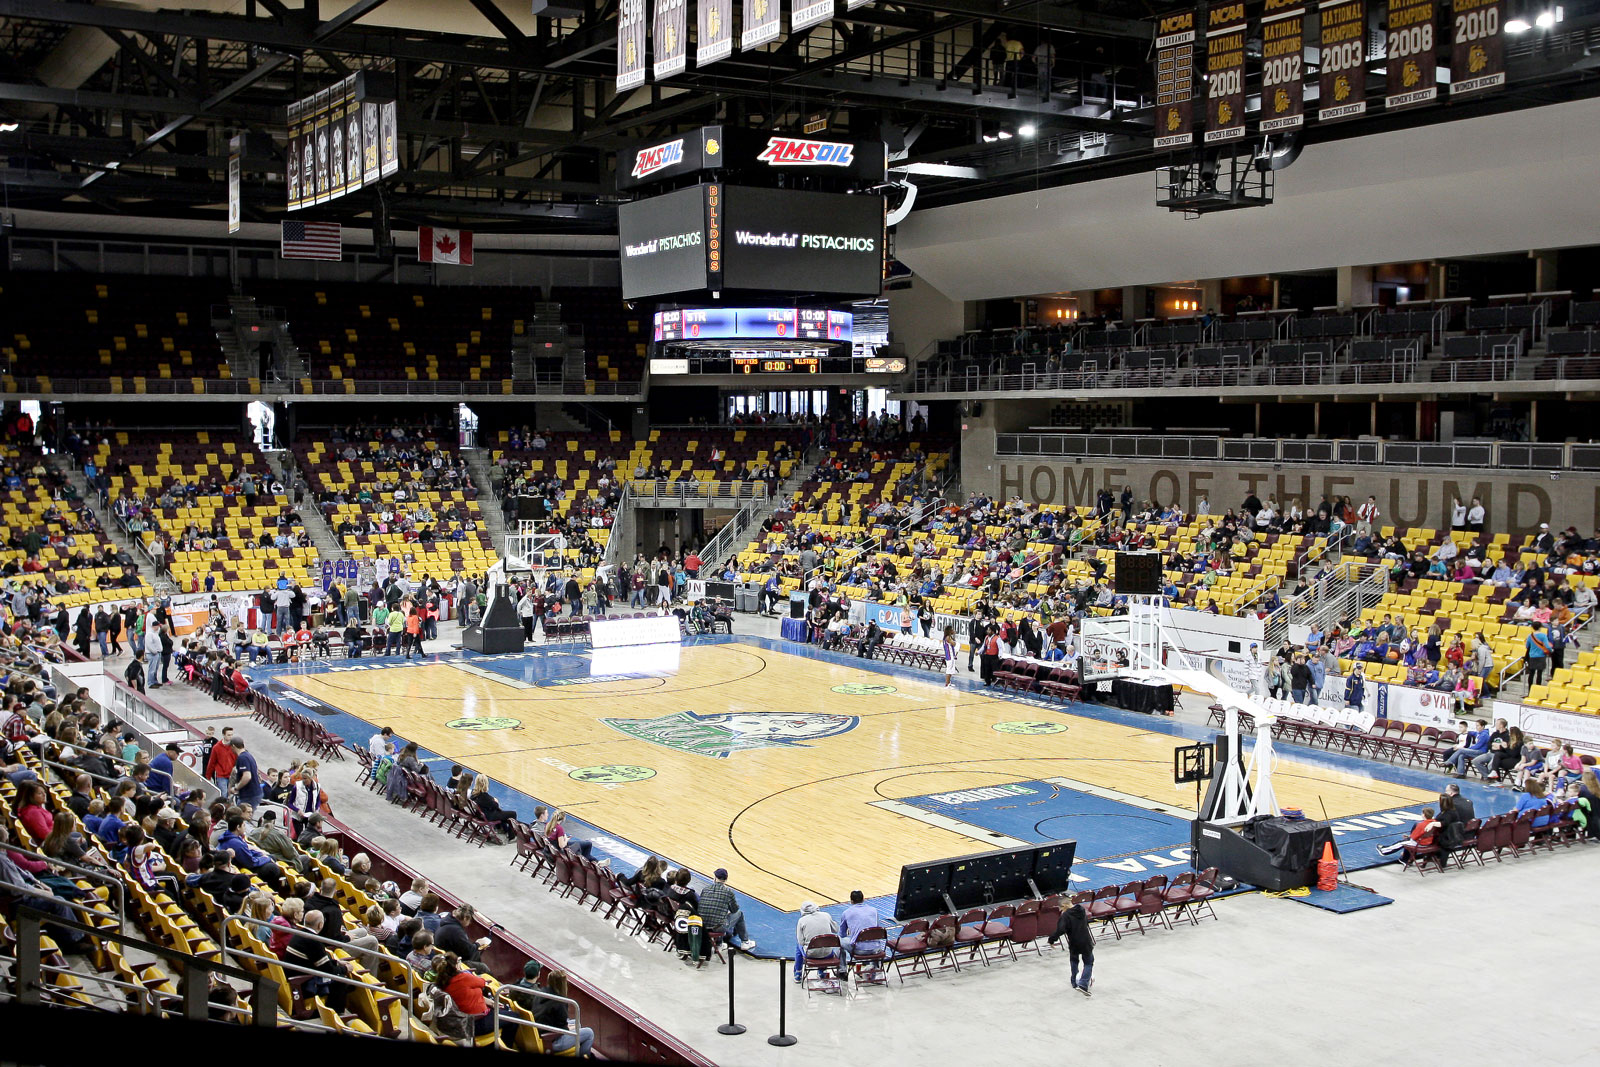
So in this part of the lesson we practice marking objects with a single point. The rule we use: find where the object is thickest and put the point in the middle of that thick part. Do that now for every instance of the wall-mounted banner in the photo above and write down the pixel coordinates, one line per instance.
(1283, 48)
(1413, 53)
(355, 174)
(630, 45)
(1225, 37)
(1175, 80)
(1342, 42)
(1477, 55)
(804, 14)
(762, 23)
(715, 39)
(671, 38)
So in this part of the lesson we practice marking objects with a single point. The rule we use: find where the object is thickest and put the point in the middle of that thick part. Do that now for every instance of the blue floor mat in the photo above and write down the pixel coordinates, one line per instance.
(1343, 899)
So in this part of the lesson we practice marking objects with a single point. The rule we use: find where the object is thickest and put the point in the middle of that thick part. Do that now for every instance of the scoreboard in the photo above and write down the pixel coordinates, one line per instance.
(822, 325)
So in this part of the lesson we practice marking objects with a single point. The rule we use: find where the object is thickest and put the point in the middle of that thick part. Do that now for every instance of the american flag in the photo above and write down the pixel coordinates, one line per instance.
(311, 240)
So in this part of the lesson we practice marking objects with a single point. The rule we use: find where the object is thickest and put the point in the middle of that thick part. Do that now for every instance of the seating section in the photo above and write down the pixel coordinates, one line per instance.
(402, 332)
(379, 1000)
(407, 499)
(616, 338)
(50, 536)
(1466, 609)
(120, 329)
(208, 497)
(1442, 340)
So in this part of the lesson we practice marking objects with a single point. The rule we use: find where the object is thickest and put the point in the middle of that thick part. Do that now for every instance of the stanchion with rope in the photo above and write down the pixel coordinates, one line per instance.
(731, 1028)
(782, 1038)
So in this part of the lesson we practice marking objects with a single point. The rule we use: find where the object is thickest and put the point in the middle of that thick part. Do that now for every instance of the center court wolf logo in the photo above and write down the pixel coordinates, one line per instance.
(719, 736)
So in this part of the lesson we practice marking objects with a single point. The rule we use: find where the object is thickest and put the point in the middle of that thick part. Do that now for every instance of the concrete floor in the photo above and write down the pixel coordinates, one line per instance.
(1271, 982)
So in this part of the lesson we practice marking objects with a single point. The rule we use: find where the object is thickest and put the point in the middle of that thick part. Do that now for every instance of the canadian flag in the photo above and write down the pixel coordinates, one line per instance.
(435, 245)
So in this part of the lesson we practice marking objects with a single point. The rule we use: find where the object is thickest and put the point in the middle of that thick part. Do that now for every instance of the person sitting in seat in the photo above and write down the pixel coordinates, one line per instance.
(1422, 835)
(489, 809)
(858, 917)
(813, 923)
(1535, 799)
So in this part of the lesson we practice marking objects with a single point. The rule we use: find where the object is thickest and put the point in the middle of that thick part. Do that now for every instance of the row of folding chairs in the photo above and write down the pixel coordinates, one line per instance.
(1060, 683)
(1391, 739)
(981, 936)
(1498, 835)
(297, 729)
(427, 798)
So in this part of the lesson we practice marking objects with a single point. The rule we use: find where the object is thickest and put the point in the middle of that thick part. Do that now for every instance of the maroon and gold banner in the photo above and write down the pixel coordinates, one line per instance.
(1225, 38)
(1413, 53)
(1283, 46)
(1175, 38)
(1477, 56)
(1342, 42)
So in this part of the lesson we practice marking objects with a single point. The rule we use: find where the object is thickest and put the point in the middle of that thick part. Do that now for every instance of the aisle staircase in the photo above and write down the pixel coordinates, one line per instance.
(478, 465)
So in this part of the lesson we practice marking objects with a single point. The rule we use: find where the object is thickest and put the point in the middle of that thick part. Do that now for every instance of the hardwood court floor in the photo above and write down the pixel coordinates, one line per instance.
(783, 793)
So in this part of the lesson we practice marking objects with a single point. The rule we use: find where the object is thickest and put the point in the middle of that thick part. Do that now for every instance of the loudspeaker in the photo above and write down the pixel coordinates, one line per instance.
(1138, 573)
(797, 609)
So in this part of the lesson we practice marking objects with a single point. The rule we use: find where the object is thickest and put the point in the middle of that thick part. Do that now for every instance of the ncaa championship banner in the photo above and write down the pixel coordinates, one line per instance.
(1283, 47)
(1225, 38)
(1477, 57)
(671, 38)
(1413, 53)
(1342, 41)
(762, 23)
(804, 14)
(630, 45)
(1175, 38)
(715, 39)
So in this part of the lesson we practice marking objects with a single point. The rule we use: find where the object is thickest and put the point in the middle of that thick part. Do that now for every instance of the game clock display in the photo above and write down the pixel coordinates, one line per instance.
(767, 363)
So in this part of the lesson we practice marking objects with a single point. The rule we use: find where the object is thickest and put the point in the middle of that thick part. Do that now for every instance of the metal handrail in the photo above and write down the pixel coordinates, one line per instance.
(87, 872)
(1254, 374)
(139, 385)
(30, 965)
(1139, 444)
(688, 490)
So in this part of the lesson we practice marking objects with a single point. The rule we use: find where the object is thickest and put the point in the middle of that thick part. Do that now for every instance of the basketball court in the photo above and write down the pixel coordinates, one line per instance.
(808, 774)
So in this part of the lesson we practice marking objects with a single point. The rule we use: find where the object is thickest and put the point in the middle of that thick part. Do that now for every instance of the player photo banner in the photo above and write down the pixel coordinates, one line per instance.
(1342, 43)
(630, 45)
(671, 38)
(1477, 53)
(1413, 53)
(1225, 38)
(804, 14)
(354, 168)
(762, 23)
(291, 169)
(235, 194)
(851, 5)
(1175, 39)
(1283, 46)
(336, 156)
(370, 160)
(319, 136)
(388, 137)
